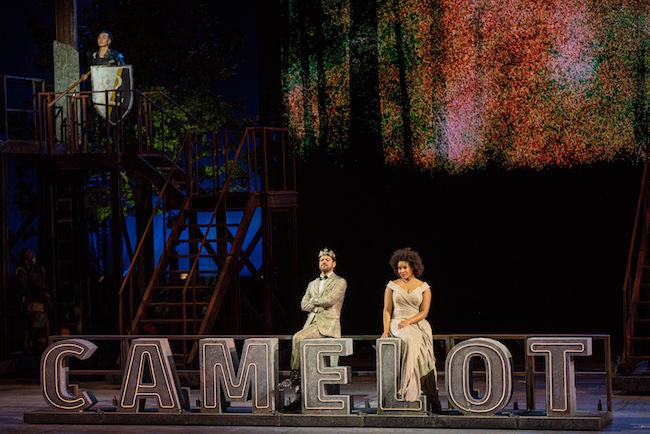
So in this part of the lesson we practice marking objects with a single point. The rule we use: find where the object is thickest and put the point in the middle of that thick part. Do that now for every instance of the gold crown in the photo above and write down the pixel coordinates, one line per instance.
(327, 252)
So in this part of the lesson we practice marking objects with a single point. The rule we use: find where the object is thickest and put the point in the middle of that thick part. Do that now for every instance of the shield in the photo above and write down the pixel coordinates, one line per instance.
(112, 91)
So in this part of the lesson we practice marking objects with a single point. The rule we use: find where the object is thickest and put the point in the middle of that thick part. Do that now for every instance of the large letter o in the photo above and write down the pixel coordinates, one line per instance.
(498, 373)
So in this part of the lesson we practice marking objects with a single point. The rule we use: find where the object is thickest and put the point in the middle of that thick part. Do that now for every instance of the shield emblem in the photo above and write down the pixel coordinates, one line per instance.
(112, 91)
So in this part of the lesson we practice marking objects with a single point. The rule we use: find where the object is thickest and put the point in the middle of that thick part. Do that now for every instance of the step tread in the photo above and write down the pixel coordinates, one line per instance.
(177, 303)
(167, 320)
(181, 287)
(198, 240)
(202, 255)
(151, 154)
(204, 224)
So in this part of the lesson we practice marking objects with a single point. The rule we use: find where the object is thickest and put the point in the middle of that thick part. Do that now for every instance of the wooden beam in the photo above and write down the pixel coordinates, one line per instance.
(65, 13)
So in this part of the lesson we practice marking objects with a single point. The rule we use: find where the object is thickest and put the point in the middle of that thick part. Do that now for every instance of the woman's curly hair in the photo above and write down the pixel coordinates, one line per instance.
(407, 255)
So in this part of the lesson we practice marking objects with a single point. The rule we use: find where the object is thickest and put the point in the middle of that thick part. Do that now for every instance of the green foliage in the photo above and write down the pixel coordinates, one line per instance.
(97, 198)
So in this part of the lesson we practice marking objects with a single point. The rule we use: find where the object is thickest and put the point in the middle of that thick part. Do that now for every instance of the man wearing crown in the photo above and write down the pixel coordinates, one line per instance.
(323, 300)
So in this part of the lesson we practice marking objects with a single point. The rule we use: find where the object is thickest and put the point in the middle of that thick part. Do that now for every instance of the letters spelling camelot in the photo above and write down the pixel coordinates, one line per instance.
(222, 372)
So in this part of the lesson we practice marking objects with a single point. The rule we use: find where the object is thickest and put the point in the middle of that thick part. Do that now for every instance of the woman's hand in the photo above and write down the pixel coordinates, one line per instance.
(385, 334)
(403, 323)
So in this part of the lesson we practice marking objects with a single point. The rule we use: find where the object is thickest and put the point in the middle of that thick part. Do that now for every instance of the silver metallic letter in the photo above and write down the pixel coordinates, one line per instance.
(54, 374)
(315, 374)
(164, 386)
(560, 374)
(498, 372)
(388, 375)
(220, 369)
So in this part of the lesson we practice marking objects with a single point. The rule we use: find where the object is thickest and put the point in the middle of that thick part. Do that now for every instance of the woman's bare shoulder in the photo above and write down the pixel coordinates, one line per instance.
(392, 284)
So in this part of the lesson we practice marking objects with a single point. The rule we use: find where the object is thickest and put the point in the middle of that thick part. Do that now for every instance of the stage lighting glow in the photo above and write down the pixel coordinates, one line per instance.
(471, 84)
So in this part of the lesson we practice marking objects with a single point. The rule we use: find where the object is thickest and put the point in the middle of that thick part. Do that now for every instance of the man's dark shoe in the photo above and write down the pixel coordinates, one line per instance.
(295, 405)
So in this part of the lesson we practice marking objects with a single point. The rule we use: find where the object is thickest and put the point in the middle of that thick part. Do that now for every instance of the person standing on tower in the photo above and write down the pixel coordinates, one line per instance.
(104, 55)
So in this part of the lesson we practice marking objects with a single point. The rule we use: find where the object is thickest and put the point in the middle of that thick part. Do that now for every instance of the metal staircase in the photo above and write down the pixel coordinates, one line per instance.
(636, 293)
(200, 191)
(204, 248)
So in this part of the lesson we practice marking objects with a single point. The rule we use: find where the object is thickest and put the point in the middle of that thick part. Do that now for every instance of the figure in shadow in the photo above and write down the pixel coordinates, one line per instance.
(37, 304)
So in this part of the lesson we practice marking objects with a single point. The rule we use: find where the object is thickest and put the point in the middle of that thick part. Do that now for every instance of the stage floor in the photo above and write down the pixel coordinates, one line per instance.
(17, 397)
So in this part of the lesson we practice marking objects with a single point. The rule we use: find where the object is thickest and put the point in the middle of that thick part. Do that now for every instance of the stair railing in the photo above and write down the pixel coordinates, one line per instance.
(165, 104)
(72, 136)
(191, 151)
(148, 131)
(191, 119)
(242, 169)
(37, 85)
(127, 282)
(220, 205)
(634, 271)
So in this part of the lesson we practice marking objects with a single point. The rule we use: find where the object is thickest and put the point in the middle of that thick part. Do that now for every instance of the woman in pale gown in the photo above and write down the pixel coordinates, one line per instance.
(406, 306)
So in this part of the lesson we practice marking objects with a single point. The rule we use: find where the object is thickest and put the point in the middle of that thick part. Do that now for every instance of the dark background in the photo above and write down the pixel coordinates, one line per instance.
(505, 251)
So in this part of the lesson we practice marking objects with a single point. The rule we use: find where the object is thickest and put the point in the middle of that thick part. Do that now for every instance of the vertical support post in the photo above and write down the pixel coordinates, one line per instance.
(608, 369)
(529, 367)
(236, 302)
(4, 253)
(293, 163)
(4, 94)
(267, 264)
(248, 164)
(293, 265)
(193, 232)
(66, 56)
(34, 112)
(187, 143)
(531, 402)
(265, 161)
(41, 118)
(66, 21)
(143, 209)
(81, 255)
(116, 227)
(214, 149)
(51, 192)
(50, 125)
(84, 124)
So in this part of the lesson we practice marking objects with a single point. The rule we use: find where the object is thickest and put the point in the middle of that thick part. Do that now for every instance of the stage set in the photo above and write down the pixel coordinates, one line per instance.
(414, 214)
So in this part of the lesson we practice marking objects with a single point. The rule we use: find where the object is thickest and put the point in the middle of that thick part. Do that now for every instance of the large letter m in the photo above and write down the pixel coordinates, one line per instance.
(222, 371)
